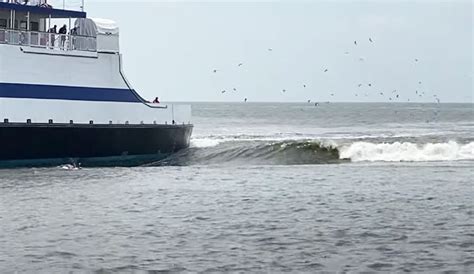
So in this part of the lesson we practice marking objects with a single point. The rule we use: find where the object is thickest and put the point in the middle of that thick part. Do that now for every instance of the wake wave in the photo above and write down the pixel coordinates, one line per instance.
(297, 151)
(256, 152)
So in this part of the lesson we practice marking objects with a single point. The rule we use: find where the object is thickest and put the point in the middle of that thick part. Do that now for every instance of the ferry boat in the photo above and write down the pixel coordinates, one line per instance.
(64, 97)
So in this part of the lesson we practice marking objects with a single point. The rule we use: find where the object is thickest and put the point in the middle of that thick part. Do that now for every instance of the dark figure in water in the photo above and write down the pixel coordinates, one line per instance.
(156, 101)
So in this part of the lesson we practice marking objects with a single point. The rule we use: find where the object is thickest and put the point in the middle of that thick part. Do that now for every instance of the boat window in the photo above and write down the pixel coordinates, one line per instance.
(34, 26)
(3, 23)
(23, 25)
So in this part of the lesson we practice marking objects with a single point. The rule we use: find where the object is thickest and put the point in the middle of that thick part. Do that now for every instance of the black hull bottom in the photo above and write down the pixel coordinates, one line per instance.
(37, 145)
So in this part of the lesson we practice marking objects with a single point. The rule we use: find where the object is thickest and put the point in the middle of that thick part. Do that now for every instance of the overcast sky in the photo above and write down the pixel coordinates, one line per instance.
(171, 49)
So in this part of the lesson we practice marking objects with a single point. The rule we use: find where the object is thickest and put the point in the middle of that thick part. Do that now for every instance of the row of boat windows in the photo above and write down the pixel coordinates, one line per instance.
(21, 25)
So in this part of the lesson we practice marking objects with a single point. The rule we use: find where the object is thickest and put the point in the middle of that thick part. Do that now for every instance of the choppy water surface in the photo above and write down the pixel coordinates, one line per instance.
(264, 188)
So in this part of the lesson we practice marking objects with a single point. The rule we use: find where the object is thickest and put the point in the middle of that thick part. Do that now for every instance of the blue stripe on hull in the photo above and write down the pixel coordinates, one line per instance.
(9, 90)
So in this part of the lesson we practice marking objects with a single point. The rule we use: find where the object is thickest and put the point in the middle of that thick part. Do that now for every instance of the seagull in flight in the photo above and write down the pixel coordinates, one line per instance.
(326, 70)
(224, 91)
(240, 64)
(355, 43)
(370, 40)
(215, 70)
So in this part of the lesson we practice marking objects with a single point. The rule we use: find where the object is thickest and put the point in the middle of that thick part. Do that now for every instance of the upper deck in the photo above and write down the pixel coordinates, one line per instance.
(29, 23)
(41, 8)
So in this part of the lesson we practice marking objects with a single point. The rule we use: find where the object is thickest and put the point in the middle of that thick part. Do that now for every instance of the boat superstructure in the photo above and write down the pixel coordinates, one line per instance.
(65, 96)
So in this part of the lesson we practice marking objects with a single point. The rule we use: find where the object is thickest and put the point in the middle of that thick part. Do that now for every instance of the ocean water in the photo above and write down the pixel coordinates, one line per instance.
(263, 188)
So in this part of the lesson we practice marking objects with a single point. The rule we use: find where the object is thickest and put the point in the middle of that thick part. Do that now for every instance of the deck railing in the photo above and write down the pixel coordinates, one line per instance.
(48, 40)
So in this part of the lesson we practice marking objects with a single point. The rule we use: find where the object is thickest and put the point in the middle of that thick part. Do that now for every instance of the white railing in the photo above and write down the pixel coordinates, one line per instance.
(48, 40)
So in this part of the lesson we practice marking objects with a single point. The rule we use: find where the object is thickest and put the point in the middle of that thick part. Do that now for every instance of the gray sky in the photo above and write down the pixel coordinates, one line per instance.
(171, 48)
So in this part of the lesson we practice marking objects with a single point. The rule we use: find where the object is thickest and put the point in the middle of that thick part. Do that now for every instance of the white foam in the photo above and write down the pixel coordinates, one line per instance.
(204, 142)
(410, 152)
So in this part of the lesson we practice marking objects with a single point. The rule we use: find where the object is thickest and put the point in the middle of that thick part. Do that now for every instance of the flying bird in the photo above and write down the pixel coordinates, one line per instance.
(370, 85)
(326, 70)
(416, 60)
(283, 90)
(224, 91)
(245, 100)
(355, 43)
(270, 49)
(370, 40)
(240, 64)
(304, 86)
(234, 89)
(214, 71)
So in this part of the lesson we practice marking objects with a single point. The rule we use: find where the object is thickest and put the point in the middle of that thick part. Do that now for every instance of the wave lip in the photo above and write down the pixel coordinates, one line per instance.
(407, 152)
(291, 152)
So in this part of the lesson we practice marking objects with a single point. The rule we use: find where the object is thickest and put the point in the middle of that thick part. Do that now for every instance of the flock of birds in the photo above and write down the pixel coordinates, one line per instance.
(394, 95)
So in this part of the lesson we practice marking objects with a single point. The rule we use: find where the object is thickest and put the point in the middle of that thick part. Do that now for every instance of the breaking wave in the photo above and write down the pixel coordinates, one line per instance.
(260, 151)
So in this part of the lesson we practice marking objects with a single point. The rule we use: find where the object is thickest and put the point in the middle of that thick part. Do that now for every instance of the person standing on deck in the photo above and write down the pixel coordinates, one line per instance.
(62, 32)
(52, 37)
